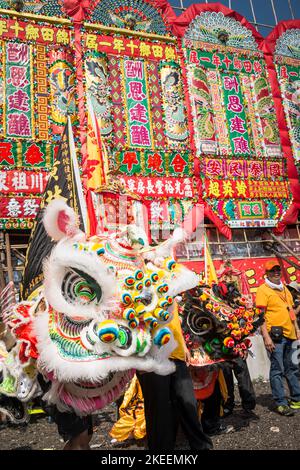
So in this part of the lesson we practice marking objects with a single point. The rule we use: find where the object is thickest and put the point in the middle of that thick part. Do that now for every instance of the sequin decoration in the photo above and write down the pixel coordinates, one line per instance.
(138, 15)
(215, 27)
(46, 8)
(289, 44)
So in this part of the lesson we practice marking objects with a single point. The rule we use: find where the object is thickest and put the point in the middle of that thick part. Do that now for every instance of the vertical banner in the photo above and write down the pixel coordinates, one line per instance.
(97, 86)
(62, 89)
(174, 106)
(137, 104)
(289, 79)
(18, 83)
(214, 80)
(42, 95)
(257, 131)
(235, 113)
(265, 108)
(2, 72)
(202, 111)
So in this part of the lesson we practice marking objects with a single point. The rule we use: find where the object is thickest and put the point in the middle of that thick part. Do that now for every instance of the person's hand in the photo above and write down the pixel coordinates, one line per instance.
(244, 354)
(269, 345)
(298, 334)
(187, 356)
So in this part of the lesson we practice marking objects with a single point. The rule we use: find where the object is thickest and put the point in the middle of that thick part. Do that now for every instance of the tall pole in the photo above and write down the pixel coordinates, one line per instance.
(8, 258)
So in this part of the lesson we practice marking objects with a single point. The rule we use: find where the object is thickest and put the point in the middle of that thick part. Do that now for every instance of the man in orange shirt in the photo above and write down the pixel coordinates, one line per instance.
(279, 332)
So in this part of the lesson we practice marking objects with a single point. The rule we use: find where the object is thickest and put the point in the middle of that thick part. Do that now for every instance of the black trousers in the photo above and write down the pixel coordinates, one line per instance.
(169, 400)
(210, 417)
(240, 370)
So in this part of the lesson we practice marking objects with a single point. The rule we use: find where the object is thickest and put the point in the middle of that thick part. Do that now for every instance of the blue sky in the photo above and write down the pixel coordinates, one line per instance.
(262, 10)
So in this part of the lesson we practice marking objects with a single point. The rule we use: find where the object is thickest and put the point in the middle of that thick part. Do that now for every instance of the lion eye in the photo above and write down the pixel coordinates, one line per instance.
(79, 287)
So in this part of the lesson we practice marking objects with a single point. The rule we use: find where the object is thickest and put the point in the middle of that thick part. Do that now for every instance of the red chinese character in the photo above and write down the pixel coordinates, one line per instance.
(33, 155)
(237, 63)
(247, 66)
(247, 209)
(193, 58)
(6, 156)
(274, 169)
(18, 124)
(257, 66)
(18, 100)
(227, 61)
(134, 69)
(18, 76)
(234, 104)
(214, 167)
(235, 168)
(154, 162)
(283, 72)
(140, 135)
(138, 113)
(178, 163)
(237, 125)
(216, 60)
(255, 169)
(241, 145)
(231, 83)
(136, 91)
(129, 159)
(256, 209)
(17, 52)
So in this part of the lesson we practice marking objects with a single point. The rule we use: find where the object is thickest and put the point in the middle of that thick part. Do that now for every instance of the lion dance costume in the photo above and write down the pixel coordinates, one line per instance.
(101, 314)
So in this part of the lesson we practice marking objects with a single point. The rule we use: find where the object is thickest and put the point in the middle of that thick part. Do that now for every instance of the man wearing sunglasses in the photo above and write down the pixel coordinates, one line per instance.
(279, 331)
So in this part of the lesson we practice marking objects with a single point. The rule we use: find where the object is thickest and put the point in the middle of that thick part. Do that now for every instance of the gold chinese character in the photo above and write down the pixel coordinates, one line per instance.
(119, 45)
(3, 27)
(157, 51)
(31, 32)
(54, 195)
(132, 46)
(91, 41)
(213, 189)
(241, 188)
(170, 53)
(48, 34)
(227, 189)
(145, 50)
(62, 36)
(16, 27)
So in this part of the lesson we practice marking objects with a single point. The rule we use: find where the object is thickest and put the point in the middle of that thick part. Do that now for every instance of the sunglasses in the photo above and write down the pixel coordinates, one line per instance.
(275, 270)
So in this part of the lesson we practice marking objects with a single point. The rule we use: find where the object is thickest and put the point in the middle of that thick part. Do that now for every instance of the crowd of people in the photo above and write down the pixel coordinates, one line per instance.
(155, 405)
(171, 399)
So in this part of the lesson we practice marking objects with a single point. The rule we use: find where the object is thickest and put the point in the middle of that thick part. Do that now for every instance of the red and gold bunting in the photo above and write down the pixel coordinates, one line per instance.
(239, 168)
(144, 187)
(19, 207)
(27, 182)
(246, 189)
(25, 31)
(123, 46)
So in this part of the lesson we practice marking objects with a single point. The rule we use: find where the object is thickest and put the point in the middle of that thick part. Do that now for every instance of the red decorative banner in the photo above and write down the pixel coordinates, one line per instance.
(130, 47)
(246, 189)
(28, 182)
(14, 29)
(238, 168)
(19, 207)
(159, 187)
